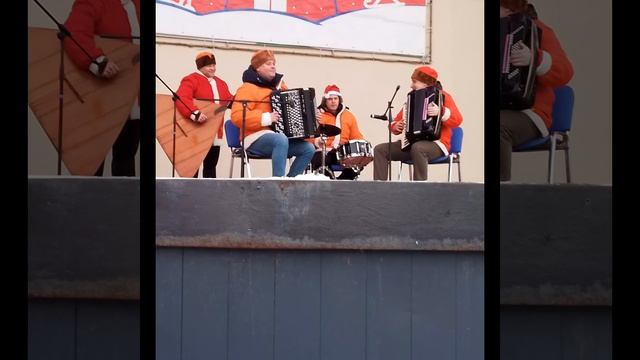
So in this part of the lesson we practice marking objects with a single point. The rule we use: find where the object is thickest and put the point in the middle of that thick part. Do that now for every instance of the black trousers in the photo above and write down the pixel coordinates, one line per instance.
(332, 159)
(209, 164)
(123, 162)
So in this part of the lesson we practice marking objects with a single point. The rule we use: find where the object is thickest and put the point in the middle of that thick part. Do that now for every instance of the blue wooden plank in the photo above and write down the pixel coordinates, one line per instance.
(343, 312)
(204, 308)
(168, 304)
(555, 333)
(433, 306)
(108, 330)
(297, 306)
(470, 306)
(388, 306)
(251, 299)
(51, 329)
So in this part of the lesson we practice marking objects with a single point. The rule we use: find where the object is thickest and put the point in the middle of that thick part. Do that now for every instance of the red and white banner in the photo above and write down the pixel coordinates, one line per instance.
(380, 26)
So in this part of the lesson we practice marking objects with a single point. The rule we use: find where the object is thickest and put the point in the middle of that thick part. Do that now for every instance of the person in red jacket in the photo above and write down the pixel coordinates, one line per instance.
(422, 150)
(553, 69)
(114, 18)
(333, 112)
(204, 85)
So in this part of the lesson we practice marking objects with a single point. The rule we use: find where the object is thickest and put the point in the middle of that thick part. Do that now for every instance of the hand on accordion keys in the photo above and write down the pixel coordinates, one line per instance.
(433, 109)
(520, 54)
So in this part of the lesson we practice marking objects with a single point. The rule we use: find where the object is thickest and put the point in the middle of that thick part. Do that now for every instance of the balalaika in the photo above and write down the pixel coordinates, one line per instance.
(418, 125)
(517, 84)
(297, 110)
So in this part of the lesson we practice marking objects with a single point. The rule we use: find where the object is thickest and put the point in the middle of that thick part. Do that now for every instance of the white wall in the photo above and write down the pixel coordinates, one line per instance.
(367, 85)
(584, 29)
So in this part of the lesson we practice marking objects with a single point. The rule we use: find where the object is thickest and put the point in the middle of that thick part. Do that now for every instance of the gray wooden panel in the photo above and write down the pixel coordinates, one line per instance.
(251, 305)
(51, 329)
(555, 333)
(84, 237)
(108, 330)
(434, 306)
(343, 312)
(457, 215)
(297, 306)
(169, 304)
(204, 306)
(388, 306)
(555, 244)
(469, 307)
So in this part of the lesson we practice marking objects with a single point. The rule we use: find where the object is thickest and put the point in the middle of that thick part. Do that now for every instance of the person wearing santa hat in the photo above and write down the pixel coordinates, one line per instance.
(422, 150)
(204, 84)
(333, 112)
(260, 80)
(115, 18)
(553, 69)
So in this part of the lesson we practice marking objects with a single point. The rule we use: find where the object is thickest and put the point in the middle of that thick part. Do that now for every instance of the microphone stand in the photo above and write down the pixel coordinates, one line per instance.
(389, 118)
(62, 34)
(174, 97)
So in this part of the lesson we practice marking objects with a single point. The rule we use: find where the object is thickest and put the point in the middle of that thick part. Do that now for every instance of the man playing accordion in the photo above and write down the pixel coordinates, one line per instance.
(419, 150)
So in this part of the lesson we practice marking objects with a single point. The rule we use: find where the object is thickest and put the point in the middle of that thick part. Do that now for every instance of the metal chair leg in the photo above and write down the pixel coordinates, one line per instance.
(459, 170)
(450, 165)
(566, 159)
(233, 160)
(552, 153)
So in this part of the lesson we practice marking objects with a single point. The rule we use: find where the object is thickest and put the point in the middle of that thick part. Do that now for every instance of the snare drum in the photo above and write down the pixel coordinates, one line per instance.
(355, 153)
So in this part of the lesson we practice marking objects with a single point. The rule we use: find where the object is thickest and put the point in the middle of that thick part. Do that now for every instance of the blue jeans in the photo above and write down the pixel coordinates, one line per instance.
(280, 148)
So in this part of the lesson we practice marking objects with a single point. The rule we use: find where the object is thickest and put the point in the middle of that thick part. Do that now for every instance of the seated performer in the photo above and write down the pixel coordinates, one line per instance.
(420, 151)
(552, 69)
(259, 82)
(333, 112)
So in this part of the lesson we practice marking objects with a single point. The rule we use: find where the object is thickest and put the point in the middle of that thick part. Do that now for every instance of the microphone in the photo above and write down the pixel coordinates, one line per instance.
(379, 117)
(397, 87)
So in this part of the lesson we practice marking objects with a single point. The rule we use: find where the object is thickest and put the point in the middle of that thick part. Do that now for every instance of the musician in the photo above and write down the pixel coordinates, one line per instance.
(259, 81)
(553, 69)
(117, 18)
(422, 150)
(205, 85)
(333, 112)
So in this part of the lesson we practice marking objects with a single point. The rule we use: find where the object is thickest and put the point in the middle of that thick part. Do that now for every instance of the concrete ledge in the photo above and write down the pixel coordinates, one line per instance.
(555, 244)
(84, 237)
(294, 214)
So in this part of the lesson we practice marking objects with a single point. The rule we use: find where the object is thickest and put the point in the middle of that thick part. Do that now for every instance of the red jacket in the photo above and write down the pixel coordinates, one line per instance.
(554, 70)
(197, 86)
(451, 118)
(89, 18)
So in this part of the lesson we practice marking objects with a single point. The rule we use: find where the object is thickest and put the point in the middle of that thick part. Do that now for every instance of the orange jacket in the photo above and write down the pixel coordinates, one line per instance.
(348, 126)
(248, 91)
(451, 118)
(554, 70)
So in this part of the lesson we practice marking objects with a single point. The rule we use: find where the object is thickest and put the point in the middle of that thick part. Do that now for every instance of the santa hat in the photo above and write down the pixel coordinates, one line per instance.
(261, 57)
(332, 90)
(425, 74)
(205, 58)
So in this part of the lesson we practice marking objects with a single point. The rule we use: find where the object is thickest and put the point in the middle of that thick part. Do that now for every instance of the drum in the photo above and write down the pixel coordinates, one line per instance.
(355, 153)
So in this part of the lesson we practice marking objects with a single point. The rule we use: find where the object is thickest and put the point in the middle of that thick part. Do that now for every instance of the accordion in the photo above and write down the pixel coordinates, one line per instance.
(420, 126)
(517, 84)
(297, 110)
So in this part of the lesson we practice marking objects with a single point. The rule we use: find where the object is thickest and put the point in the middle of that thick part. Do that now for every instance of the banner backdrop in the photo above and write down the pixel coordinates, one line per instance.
(378, 26)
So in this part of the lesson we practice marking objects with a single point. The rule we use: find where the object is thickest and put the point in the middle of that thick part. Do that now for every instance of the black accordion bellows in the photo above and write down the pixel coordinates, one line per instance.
(297, 110)
(517, 84)
(419, 125)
